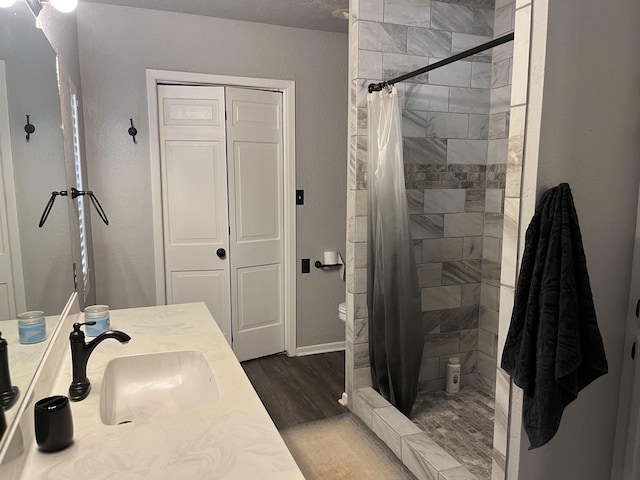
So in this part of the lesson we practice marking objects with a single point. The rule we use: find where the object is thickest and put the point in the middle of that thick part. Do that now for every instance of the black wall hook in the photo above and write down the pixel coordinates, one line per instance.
(29, 129)
(133, 131)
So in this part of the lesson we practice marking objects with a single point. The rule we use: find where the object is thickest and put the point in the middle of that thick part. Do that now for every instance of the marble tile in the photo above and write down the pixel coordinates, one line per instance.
(428, 43)
(468, 363)
(503, 22)
(424, 151)
(408, 13)
(424, 457)
(444, 201)
(360, 255)
(480, 75)
(500, 99)
(437, 384)
(415, 201)
(366, 399)
(474, 200)
(461, 318)
(469, 100)
(361, 355)
(417, 251)
(360, 330)
(510, 241)
(487, 366)
(467, 152)
(466, 271)
(493, 200)
(501, 73)
(489, 296)
(497, 151)
(483, 21)
(360, 306)
(491, 272)
(498, 125)
(457, 74)
(463, 224)
(472, 248)
(502, 3)
(429, 369)
(361, 229)
(491, 250)
(431, 322)
(390, 425)
(396, 64)
(453, 18)
(440, 344)
(486, 4)
(414, 123)
(470, 294)
(382, 37)
(457, 473)
(521, 51)
(442, 250)
(447, 125)
(362, 123)
(430, 274)
(462, 41)
(501, 422)
(489, 320)
(492, 225)
(506, 307)
(426, 226)
(361, 377)
(469, 340)
(427, 97)
(438, 298)
(503, 51)
(478, 126)
(487, 343)
(371, 10)
(515, 152)
(369, 64)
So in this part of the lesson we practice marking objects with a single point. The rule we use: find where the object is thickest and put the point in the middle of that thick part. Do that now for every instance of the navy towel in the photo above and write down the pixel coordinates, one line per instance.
(553, 348)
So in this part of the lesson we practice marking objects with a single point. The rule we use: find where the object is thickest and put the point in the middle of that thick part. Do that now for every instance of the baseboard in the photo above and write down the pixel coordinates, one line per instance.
(322, 348)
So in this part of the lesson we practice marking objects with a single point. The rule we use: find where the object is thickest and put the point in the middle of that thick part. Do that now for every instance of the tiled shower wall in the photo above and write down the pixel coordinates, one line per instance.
(494, 207)
(454, 180)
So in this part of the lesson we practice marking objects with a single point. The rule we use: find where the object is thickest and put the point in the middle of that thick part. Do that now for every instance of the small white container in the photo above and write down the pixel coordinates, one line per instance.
(32, 327)
(453, 375)
(100, 315)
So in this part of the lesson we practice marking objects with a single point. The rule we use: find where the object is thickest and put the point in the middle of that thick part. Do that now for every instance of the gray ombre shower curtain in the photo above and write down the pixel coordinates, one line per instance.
(393, 291)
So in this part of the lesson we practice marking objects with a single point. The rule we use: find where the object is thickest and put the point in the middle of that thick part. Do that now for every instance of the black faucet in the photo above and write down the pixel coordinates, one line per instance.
(80, 352)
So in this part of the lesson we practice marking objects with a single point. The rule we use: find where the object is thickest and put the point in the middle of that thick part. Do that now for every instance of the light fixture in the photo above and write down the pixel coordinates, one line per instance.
(7, 3)
(341, 13)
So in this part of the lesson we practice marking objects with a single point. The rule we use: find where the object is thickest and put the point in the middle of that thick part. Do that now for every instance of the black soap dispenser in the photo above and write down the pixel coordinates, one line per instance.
(8, 393)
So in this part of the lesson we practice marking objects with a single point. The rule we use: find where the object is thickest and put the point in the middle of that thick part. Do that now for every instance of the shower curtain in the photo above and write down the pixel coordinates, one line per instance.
(393, 293)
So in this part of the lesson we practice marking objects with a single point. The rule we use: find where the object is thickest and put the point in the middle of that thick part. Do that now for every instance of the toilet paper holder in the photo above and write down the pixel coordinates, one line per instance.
(319, 264)
(331, 259)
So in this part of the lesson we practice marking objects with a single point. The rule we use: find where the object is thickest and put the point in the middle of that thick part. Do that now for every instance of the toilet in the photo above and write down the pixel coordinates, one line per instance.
(342, 311)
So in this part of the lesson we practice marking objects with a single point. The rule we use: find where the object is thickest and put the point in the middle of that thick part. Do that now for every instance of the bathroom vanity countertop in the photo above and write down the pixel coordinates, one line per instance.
(234, 439)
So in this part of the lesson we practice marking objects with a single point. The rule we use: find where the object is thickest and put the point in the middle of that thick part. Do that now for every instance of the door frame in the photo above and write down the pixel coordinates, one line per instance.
(287, 88)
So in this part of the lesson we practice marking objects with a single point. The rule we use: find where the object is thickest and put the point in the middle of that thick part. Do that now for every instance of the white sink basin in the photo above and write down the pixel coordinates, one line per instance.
(139, 388)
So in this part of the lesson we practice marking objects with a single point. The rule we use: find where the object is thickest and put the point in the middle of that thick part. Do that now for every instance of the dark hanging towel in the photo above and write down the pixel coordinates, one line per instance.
(553, 348)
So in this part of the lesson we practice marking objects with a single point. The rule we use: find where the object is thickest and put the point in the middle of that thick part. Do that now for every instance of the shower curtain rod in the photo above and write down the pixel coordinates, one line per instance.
(376, 87)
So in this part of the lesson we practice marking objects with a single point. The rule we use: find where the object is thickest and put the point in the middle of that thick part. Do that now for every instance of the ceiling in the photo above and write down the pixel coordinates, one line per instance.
(311, 14)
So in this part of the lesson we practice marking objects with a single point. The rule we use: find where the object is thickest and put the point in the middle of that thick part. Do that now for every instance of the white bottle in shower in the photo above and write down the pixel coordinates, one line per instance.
(453, 375)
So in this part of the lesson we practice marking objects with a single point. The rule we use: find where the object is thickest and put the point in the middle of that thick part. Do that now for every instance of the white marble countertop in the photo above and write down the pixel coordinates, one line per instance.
(233, 439)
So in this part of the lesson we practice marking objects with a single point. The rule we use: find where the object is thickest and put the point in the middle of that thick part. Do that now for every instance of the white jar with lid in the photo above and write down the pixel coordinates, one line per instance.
(453, 375)
(100, 315)
(32, 327)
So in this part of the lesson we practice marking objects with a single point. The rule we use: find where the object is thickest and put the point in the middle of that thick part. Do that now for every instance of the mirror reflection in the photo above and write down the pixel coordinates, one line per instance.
(35, 262)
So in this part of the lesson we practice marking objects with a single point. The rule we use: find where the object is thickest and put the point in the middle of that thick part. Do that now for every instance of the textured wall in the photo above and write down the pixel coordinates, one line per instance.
(117, 44)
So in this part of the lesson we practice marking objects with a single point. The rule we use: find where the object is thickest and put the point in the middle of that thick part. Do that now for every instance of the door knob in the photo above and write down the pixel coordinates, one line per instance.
(221, 252)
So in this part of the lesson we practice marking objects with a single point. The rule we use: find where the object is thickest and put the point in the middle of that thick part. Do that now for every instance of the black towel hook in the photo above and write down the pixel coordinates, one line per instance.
(133, 131)
(29, 128)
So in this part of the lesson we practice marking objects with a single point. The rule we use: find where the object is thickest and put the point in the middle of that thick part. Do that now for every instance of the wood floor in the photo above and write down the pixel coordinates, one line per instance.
(296, 390)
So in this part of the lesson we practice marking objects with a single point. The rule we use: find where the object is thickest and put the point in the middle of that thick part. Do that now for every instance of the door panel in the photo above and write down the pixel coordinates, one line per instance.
(254, 146)
(194, 198)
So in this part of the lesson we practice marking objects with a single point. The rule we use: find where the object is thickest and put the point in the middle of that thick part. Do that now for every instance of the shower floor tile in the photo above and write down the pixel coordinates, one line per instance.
(462, 424)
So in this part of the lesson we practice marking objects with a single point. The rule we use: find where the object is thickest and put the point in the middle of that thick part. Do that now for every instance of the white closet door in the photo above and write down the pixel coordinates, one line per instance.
(255, 156)
(194, 197)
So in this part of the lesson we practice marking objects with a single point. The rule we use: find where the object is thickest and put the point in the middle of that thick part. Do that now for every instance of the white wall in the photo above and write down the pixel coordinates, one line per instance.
(117, 44)
(589, 137)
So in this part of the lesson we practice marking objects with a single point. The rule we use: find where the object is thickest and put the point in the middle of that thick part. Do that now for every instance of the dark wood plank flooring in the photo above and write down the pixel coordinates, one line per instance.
(296, 390)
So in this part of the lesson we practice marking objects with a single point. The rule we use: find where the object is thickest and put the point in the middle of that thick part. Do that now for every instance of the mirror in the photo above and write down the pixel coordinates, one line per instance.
(40, 257)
